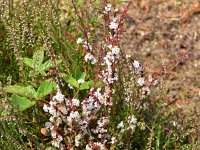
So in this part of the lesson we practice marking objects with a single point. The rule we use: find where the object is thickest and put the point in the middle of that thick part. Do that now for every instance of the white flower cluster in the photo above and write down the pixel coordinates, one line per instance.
(88, 47)
(77, 140)
(101, 128)
(145, 86)
(132, 123)
(79, 41)
(91, 58)
(113, 24)
(121, 126)
(92, 104)
(137, 67)
(56, 117)
(140, 81)
(59, 97)
(108, 7)
(110, 59)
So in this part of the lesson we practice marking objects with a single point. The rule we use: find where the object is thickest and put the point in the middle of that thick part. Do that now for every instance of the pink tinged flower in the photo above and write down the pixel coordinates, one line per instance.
(113, 140)
(75, 115)
(140, 81)
(53, 134)
(59, 97)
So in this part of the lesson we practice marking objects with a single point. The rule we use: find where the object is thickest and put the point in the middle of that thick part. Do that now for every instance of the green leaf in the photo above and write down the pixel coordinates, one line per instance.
(72, 81)
(28, 62)
(80, 75)
(38, 58)
(91, 83)
(86, 85)
(45, 88)
(46, 65)
(21, 103)
(28, 91)
(158, 138)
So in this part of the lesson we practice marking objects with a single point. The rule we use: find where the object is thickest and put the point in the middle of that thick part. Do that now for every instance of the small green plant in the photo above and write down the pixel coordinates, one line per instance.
(75, 88)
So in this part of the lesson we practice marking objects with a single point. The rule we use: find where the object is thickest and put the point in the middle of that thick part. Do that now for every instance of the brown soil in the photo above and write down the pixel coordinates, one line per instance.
(159, 32)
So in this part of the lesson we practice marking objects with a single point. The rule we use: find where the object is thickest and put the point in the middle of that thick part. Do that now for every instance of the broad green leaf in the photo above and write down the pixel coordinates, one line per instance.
(46, 65)
(91, 83)
(84, 86)
(28, 91)
(45, 88)
(43, 73)
(28, 62)
(21, 103)
(38, 58)
(72, 81)
(80, 75)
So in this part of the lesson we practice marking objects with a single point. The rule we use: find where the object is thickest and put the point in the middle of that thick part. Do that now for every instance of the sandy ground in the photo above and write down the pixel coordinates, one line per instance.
(158, 32)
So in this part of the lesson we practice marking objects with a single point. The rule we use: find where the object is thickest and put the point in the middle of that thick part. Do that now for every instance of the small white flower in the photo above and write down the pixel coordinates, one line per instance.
(80, 81)
(48, 125)
(75, 115)
(52, 111)
(70, 86)
(128, 56)
(113, 140)
(115, 50)
(132, 120)
(113, 25)
(108, 7)
(120, 125)
(116, 10)
(79, 41)
(88, 147)
(53, 134)
(59, 97)
(136, 64)
(75, 102)
(59, 138)
(77, 140)
(55, 143)
(140, 81)
(45, 108)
